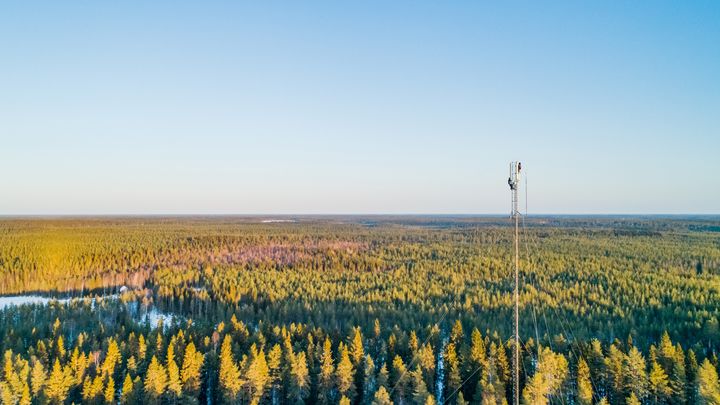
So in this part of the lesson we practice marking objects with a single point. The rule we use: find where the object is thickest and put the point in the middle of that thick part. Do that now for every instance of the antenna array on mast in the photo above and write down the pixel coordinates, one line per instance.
(514, 183)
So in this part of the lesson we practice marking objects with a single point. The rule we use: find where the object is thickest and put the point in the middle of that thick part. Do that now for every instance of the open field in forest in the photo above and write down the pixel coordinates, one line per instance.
(287, 309)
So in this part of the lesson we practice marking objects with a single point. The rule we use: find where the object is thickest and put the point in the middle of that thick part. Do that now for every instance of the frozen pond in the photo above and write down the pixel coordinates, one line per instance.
(151, 315)
(27, 299)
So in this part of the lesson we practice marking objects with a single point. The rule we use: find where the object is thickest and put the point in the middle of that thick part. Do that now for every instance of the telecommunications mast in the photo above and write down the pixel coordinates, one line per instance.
(514, 183)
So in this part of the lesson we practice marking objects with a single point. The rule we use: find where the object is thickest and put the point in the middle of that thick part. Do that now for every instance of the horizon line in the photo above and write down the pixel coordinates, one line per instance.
(426, 214)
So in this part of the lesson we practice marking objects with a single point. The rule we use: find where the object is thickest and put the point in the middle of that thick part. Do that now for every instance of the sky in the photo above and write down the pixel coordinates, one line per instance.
(358, 107)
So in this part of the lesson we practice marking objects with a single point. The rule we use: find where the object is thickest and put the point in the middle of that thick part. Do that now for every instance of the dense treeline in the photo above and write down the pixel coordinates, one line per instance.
(360, 310)
(97, 352)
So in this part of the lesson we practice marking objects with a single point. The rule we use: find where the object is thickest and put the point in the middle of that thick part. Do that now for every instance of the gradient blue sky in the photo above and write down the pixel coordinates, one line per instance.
(358, 107)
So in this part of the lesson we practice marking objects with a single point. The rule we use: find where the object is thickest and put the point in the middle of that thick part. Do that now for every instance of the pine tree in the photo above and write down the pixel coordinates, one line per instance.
(381, 397)
(692, 371)
(501, 362)
(598, 371)
(426, 360)
(584, 385)
(357, 355)
(369, 381)
(60, 343)
(229, 374)
(156, 381)
(174, 385)
(490, 389)
(57, 385)
(16, 373)
(383, 377)
(633, 399)
(92, 390)
(548, 378)
(131, 364)
(138, 391)
(142, 348)
(38, 378)
(109, 393)
(327, 372)
(659, 391)
(636, 380)
(126, 395)
(452, 366)
(112, 358)
(456, 333)
(6, 395)
(344, 374)
(190, 374)
(357, 351)
(708, 387)
(419, 388)
(678, 377)
(78, 366)
(473, 368)
(258, 374)
(614, 366)
(299, 379)
(399, 380)
(25, 395)
(273, 360)
(413, 344)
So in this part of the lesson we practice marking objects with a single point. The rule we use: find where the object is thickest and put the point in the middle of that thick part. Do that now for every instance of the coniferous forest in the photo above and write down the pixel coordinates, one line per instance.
(358, 310)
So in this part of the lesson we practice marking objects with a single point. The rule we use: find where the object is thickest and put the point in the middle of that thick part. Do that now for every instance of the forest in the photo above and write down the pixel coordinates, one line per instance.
(358, 310)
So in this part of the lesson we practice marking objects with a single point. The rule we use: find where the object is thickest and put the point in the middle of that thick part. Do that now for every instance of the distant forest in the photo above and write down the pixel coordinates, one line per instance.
(359, 310)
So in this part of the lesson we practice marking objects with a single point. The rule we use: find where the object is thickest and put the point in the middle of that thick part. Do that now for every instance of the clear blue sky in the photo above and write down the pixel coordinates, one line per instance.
(358, 107)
